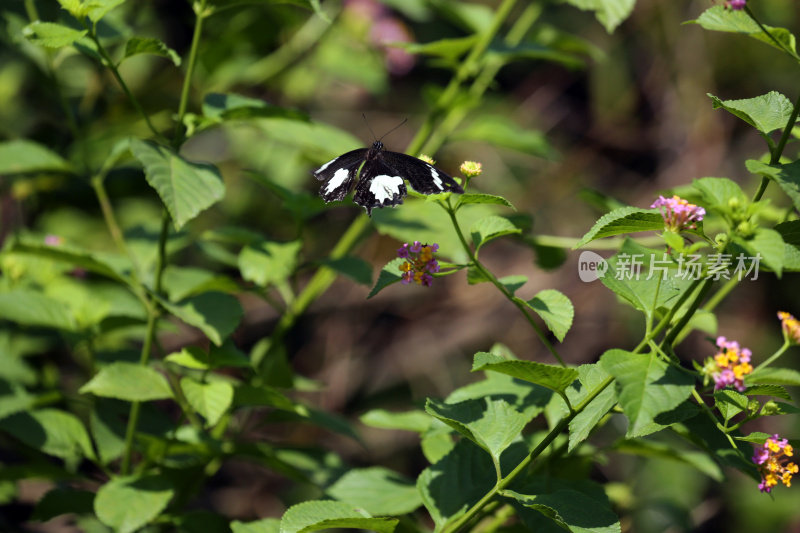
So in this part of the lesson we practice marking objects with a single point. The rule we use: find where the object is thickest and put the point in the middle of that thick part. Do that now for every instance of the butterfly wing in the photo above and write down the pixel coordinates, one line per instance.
(338, 174)
(424, 178)
(379, 186)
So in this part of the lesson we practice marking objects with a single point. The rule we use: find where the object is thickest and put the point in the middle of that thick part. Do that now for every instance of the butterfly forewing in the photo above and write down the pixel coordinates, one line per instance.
(424, 178)
(382, 177)
(338, 175)
(379, 186)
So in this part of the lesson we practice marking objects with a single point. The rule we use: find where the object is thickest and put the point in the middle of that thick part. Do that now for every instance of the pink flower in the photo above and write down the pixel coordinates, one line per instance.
(774, 464)
(419, 263)
(679, 214)
(736, 5)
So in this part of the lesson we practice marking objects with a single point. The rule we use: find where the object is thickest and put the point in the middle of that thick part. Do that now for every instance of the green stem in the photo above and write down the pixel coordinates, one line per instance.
(506, 481)
(769, 34)
(774, 356)
(467, 68)
(775, 156)
(712, 303)
(669, 339)
(668, 318)
(201, 13)
(520, 304)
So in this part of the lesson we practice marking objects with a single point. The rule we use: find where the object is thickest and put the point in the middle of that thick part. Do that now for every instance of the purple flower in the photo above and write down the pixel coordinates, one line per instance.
(419, 264)
(402, 252)
(736, 5)
(678, 214)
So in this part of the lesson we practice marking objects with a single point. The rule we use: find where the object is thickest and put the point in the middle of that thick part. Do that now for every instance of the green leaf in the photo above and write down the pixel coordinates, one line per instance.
(555, 309)
(22, 156)
(209, 399)
(491, 424)
(354, 268)
(30, 308)
(128, 503)
(769, 244)
(646, 388)
(456, 482)
(51, 35)
(790, 233)
(472, 198)
(128, 381)
(773, 375)
(97, 9)
(214, 313)
(183, 282)
(513, 283)
(450, 49)
(490, 228)
(377, 490)
(499, 130)
(610, 13)
(265, 525)
(389, 275)
(553, 377)
(786, 176)
(729, 403)
(717, 192)
(262, 395)
(590, 376)
(151, 46)
(315, 515)
(717, 18)
(52, 431)
(231, 106)
(106, 264)
(703, 461)
(416, 421)
(269, 263)
(186, 188)
(572, 510)
(194, 357)
(59, 501)
(768, 390)
(768, 112)
(623, 220)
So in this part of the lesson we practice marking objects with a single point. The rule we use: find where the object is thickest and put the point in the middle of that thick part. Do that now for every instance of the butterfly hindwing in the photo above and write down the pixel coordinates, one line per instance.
(379, 186)
(338, 175)
(423, 177)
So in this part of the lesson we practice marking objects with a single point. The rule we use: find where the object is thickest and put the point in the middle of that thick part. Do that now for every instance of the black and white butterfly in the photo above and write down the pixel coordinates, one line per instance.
(382, 177)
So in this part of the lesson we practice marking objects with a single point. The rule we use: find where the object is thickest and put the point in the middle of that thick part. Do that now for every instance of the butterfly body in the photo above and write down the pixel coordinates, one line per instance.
(382, 179)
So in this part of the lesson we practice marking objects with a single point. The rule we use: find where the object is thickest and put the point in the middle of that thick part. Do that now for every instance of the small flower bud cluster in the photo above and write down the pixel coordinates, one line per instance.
(774, 464)
(419, 264)
(790, 326)
(678, 213)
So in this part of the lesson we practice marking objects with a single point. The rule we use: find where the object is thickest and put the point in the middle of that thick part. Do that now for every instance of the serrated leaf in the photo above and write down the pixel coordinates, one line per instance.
(718, 18)
(22, 156)
(491, 424)
(768, 390)
(572, 510)
(30, 308)
(377, 490)
(473, 198)
(786, 176)
(185, 187)
(150, 46)
(610, 13)
(52, 35)
(456, 482)
(513, 283)
(555, 378)
(767, 243)
(110, 265)
(790, 233)
(265, 525)
(417, 421)
(209, 399)
(729, 403)
(214, 313)
(128, 503)
(646, 388)
(766, 113)
(717, 192)
(128, 381)
(389, 275)
(555, 309)
(773, 375)
(51, 431)
(489, 228)
(325, 514)
(231, 106)
(623, 220)
(590, 376)
(183, 282)
(269, 263)
(195, 357)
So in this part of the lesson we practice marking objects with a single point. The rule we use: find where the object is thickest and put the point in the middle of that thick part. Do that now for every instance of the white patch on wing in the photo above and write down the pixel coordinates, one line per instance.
(436, 179)
(385, 187)
(336, 181)
(326, 165)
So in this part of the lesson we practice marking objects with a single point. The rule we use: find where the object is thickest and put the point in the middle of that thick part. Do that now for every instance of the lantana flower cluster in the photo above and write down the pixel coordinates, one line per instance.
(419, 264)
(774, 463)
(736, 5)
(729, 365)
(678, 213)
(790, 326)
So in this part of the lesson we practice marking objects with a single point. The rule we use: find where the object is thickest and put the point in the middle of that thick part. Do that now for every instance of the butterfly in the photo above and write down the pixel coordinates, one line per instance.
(382, 178)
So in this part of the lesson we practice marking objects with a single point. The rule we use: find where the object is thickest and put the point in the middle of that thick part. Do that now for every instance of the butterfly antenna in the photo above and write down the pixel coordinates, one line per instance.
(391, 130)
(367, 123)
